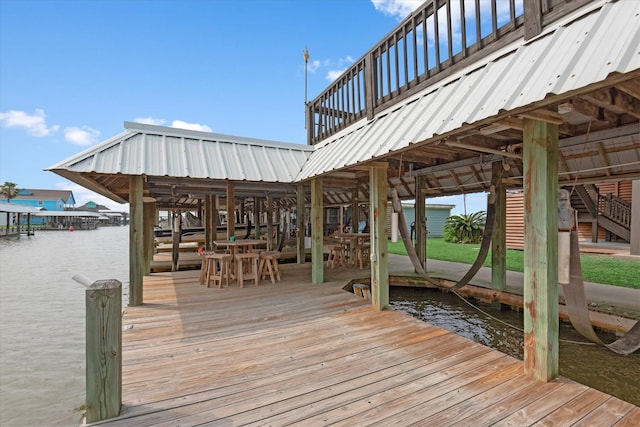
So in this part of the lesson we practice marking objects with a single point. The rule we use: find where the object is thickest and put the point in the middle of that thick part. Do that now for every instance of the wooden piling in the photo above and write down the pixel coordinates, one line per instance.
(103, 350)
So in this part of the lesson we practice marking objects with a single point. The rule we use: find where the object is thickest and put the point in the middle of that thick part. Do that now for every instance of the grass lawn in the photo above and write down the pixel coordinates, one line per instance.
(595, 268)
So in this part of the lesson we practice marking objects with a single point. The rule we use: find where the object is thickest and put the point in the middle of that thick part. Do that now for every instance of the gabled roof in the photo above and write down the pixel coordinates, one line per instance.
(159, 152)
(36, 194)
(165, 151)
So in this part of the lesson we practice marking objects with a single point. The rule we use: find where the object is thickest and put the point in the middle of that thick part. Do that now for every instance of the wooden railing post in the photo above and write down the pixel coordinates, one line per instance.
(103, 350)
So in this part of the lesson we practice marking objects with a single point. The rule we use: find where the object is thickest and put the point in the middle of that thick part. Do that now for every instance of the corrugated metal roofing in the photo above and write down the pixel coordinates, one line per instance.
(163, 151)
(581, 50)
(13, 208)
(567, 60)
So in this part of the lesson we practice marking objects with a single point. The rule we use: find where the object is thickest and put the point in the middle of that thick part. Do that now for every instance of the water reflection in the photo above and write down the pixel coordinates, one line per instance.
(587, 364)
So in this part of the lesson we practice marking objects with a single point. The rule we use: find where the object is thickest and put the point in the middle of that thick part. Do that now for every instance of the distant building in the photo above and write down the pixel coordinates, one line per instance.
(44, 200)
(51, 200)
(436, 214)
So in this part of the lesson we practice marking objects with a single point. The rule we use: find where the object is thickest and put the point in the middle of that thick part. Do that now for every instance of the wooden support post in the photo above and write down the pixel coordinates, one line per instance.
(317, 232)
(103, 350)
(148, 217)
(210, 228)
(499, 237)
(420, 220)
(541, 246)
(257, 215)
(355, 211)
(634, 249)
(176, 237)
(136, 240)
(269, 223)
(300, 224)
(378, 233)
(231, 210)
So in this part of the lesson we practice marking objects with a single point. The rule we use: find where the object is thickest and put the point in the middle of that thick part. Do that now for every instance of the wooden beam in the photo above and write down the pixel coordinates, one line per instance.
(378, 232)
(541, 246)
(369, 165)
(630, 87)
(136, 240)
(317, 232)
(544, 116)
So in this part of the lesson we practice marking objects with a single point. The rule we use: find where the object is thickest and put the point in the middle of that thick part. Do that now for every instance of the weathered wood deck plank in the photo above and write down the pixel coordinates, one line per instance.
(303, 354)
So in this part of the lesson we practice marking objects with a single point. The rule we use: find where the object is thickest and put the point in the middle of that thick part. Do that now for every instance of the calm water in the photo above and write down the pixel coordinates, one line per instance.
(42, 326)
(587, 364)
(42, 320)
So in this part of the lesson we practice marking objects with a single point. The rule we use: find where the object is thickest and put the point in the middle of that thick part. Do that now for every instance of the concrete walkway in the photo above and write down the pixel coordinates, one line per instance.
(611, 299)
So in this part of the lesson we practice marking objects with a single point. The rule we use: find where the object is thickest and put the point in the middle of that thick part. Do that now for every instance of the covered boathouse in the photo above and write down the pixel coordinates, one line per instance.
(548, 98)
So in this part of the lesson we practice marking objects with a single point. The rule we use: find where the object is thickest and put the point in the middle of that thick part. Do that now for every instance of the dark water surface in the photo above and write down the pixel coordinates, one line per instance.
(42, 320)
(587, 364)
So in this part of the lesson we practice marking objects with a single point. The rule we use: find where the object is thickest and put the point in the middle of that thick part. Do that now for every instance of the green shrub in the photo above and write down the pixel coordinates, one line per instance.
(464, 228)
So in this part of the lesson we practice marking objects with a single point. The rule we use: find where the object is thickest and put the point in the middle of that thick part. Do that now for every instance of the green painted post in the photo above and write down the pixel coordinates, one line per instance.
(136, 240)
(148, 216)
(103, 350)
(540, 249)
(499, 237)
(317, 231)
(378, 234)
(420, 220)
(300, 223)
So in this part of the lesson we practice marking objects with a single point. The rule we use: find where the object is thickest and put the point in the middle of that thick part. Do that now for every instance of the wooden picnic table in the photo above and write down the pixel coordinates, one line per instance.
(236, 247)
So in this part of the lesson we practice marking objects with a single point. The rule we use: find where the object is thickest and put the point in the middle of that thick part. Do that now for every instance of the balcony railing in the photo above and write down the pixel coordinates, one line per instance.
(438, 38)
(616, 209)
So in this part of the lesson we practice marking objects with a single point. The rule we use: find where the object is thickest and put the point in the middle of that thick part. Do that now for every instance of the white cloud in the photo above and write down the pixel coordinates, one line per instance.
(81, 136)
(192, 126)
(334, 74)
(150, 121)
(313, 66)
(35, 124)
(397, 8)
(174, 124)
(83, 196)
(343, 63)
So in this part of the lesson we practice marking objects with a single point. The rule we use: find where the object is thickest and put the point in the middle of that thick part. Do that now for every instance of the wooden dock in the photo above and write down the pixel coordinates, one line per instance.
(304, 354)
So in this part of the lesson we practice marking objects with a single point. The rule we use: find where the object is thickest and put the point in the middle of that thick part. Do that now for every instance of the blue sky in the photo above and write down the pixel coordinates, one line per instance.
(71, 72)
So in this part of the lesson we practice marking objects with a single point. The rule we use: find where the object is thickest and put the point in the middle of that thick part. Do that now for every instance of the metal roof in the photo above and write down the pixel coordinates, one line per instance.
(588, 47)
(164, 151)
(166, 155)
(68, 214)
(13, 208)
(449, 133)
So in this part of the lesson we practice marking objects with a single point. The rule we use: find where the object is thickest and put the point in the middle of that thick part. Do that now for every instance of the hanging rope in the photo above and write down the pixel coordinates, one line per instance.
(482, 254)
(576, 302)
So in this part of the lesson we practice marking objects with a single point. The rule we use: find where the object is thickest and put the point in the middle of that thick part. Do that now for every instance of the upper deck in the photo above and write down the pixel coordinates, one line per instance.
(436, 40)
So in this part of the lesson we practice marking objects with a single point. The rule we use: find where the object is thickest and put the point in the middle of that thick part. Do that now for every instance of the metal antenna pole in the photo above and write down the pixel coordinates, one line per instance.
(306, 63)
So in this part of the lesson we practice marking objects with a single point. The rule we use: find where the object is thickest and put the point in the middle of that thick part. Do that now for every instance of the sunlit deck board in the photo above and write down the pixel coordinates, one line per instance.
(297, 353)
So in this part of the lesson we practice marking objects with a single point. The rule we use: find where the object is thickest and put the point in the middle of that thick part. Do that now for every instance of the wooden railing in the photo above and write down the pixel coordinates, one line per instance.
(438, 38)
(616, 209)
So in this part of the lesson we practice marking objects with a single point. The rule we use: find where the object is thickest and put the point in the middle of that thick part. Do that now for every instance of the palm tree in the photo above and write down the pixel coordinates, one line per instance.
(9, 190)
(465, 228)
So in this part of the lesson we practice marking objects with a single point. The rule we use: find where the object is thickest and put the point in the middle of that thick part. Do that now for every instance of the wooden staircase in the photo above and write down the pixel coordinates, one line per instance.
(611, 213)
